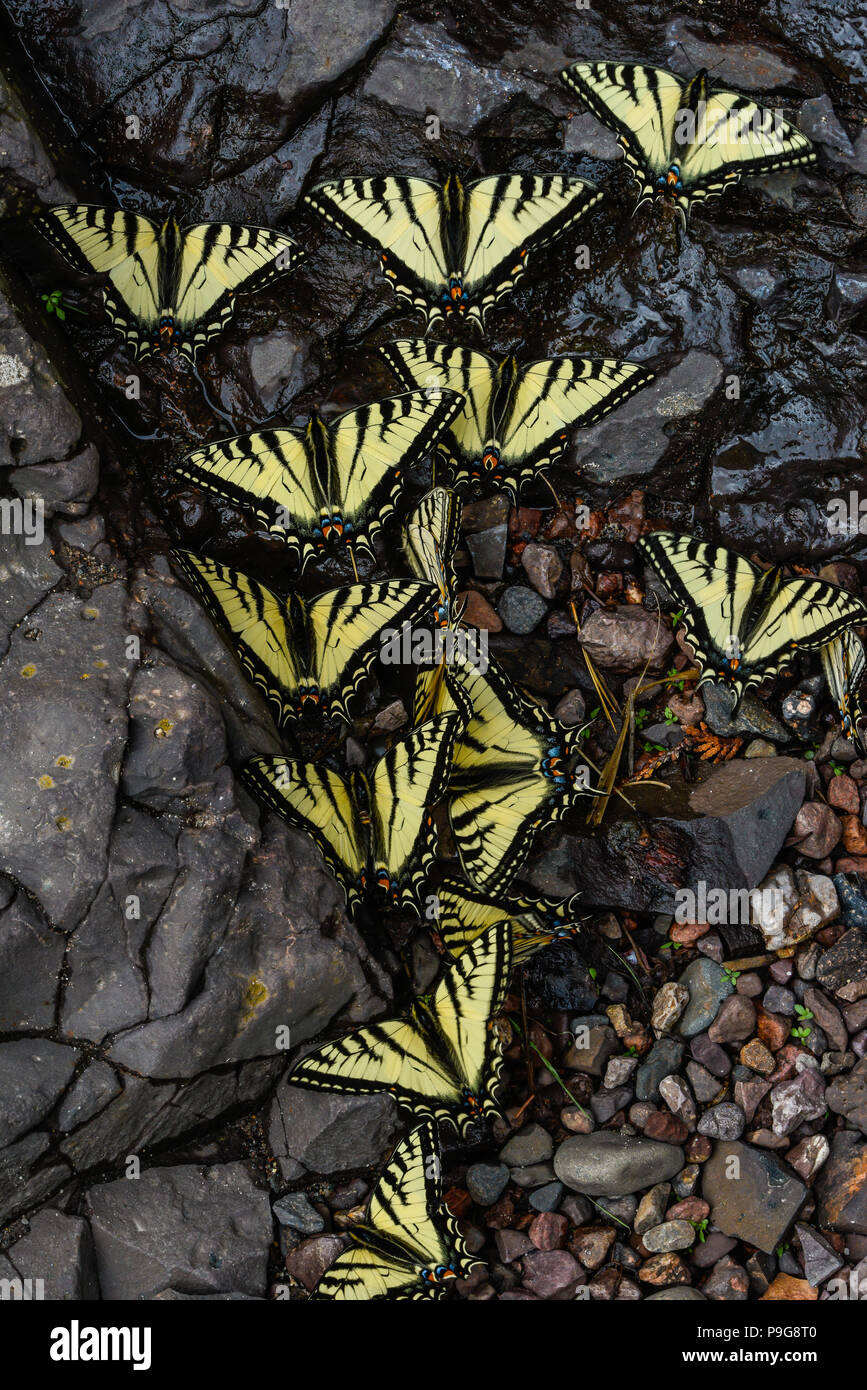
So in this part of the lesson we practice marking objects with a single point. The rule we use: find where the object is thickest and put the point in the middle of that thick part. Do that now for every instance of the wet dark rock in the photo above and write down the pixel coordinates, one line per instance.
(56, 1249)
(424, 70)
(841, 1191)
(761, 1205)
(627, 448)
(521, 609)
(608, 1164)
(488, 549)
(187, 76)
(328, 1133)
(192, 1229)
(726, 831)
(847, 1095)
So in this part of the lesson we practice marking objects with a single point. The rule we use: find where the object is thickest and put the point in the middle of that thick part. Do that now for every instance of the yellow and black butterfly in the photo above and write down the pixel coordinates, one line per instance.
(462, 914)
(169, 287)
(333, 482)
(682, 141)
(373, 831)
(745, 624)
(443, 1059)
(304, 654)
(843, 662)
(510, 778)
(517, 415)
(409, 1245)
(454, 249)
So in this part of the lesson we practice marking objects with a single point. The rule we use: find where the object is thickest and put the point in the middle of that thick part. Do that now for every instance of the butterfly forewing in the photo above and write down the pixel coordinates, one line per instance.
(313, 798)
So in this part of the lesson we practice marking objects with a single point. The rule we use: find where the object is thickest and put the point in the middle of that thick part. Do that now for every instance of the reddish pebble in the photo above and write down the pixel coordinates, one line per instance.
(688, 932)
(548, 1230)
(854, 835)
(690, 1209)
(773, 1029)
(698, 1149)
(843, 794)
(479, 613)
(667, 1128)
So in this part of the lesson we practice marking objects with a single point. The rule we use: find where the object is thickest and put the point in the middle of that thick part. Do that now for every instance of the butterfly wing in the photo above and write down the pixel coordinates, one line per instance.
(266, 633)
(345, 627)
(734, 140)
(217, 261)
(269, 475)
(534, 920)
(430, 539)
(395, 1056)
(507, 219)
(312, 798)
(106, 241)
(437, 367)
(402, 219)
(373, 448)
(640, 105)
(715, 588)
(800, 614)
(406, 782)
(548, 399)
(843, 661)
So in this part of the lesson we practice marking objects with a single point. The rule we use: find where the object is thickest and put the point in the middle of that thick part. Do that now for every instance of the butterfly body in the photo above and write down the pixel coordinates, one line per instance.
(684, 142)
(168, 286)
(453, 249)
